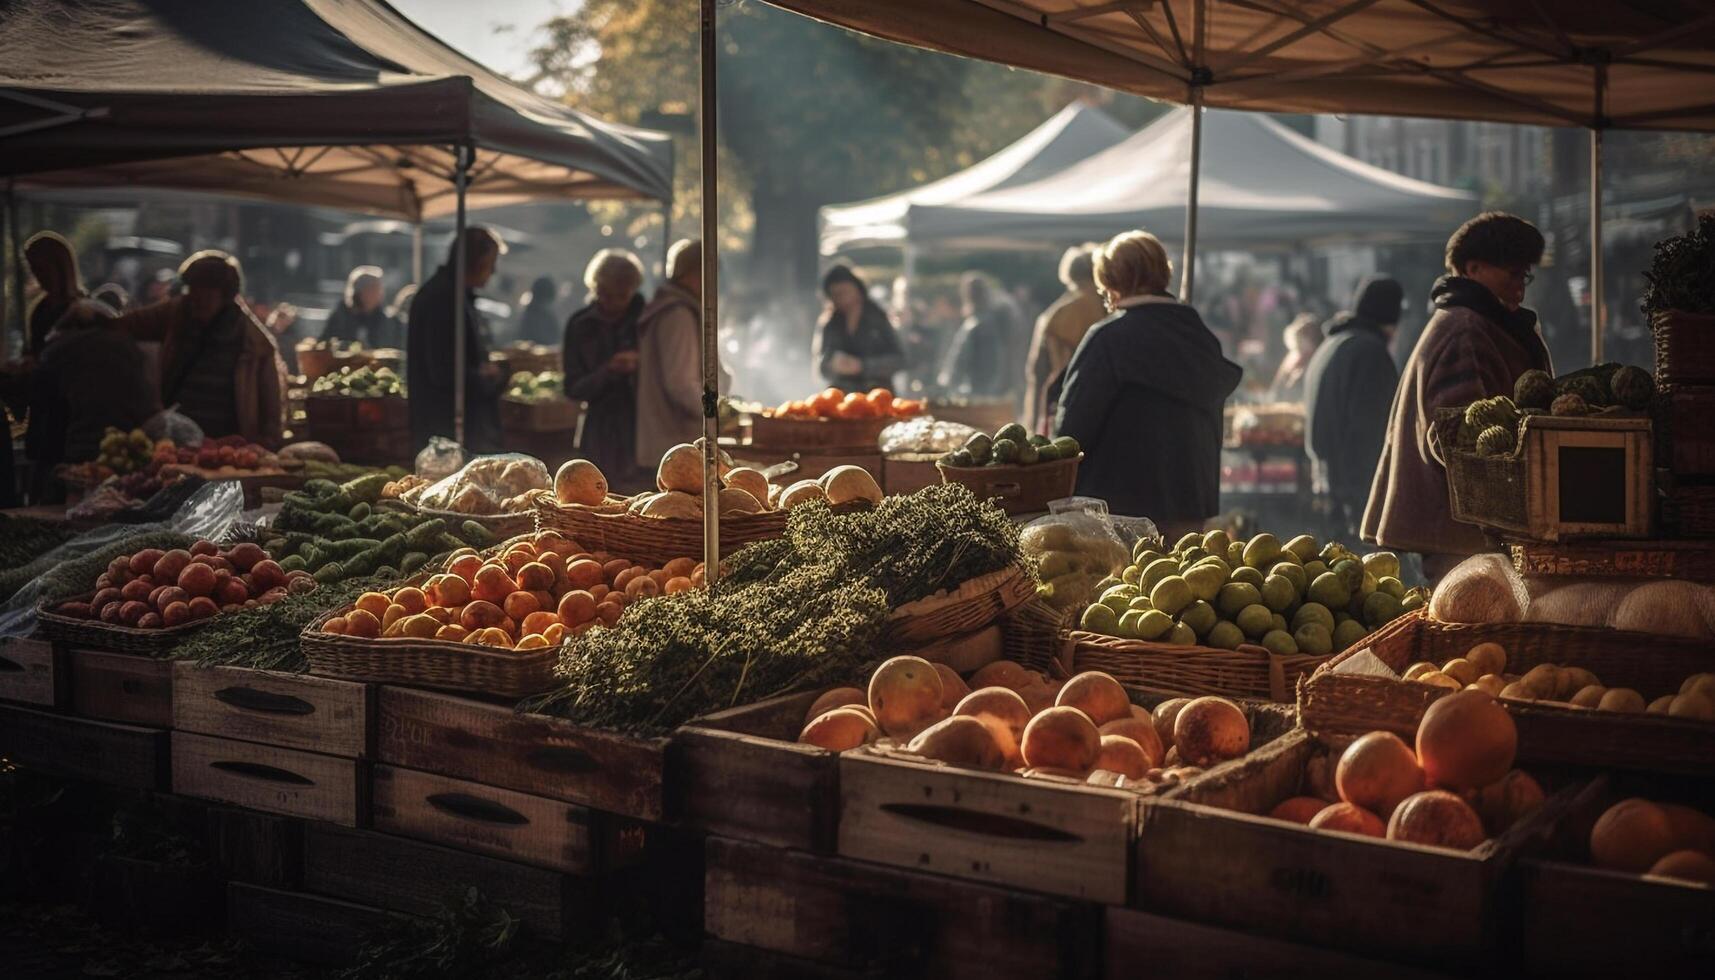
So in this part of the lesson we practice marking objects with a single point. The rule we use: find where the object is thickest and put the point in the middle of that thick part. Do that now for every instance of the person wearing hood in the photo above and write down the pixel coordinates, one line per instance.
(53, 265)
(856, 347)
(1477, 343)
(670, 358)
(430, 352)
(363, 316)
(599, 356)
(1144, 395)
(537, 323)
(1348, 389)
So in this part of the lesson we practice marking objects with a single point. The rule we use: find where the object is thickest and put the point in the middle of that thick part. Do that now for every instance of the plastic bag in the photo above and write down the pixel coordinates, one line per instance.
(168, 424)
(441, 458)
(1480, 589)
(1073, 551)
(925, 435)
(486, 485)
(208, 513)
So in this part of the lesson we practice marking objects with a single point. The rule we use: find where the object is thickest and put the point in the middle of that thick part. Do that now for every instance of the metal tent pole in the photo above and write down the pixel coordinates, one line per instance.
(1199, 77)
(17, 252)
(417, 252)
(1598, 311)
(711, 304)
(461, 173)
(666, 233)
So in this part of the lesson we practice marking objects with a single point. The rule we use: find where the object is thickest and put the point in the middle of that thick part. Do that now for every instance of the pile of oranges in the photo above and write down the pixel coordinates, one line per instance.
(834, 403)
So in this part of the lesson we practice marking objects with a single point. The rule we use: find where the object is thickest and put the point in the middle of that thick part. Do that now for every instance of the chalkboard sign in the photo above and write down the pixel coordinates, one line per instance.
(1593, 484)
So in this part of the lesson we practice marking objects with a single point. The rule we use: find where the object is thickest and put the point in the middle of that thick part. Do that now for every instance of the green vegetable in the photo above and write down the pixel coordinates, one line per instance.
(333, 571)
(412, 561)
(367, 489)
(476, 535)
(359, 511)
(293, 563)
(421, 537)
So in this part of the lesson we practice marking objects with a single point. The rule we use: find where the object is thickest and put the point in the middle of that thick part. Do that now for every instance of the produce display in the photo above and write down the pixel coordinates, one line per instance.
(1011, 445)
(1302, 596)
(1265, 426)
(924, 435)
(1666, 840)
(336, 532)
(835, 403)
(1494, 426)
(360, 382)
(1073, 553)
(1483, 668)
(1455, 789)
(505, 484)
(23, 543)
(1487, 589)
(1008, 718)
(540, 386)
(679, 483)
(144, 465)
(156, 589)
(121, 452)
(531, 596)
(798, 612)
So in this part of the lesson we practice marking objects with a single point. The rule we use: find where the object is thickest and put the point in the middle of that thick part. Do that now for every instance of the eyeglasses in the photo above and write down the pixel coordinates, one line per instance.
(1524, 275)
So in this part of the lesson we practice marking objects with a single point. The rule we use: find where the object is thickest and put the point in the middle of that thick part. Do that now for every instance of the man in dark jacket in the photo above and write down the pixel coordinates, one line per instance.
(87, 380)
(430, 351)
(1348, 389)
(1479, 341)
(983, 359)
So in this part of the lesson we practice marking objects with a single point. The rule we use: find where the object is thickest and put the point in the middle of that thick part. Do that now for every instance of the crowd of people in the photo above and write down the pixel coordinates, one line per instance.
(1138, 377)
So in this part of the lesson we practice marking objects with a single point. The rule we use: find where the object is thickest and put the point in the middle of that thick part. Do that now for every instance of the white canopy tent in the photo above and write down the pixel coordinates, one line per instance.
(1262, 184)
(1075, 133)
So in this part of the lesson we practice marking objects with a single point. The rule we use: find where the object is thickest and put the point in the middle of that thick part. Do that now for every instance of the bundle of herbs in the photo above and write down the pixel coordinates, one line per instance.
(803, 611)
(1682, 276)
(266, 637)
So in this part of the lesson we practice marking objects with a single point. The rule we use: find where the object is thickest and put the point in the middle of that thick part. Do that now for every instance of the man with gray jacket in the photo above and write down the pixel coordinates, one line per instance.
(669, 358)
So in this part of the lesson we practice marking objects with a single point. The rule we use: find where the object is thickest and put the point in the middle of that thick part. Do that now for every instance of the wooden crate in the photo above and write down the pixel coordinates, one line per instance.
(816, 436)
(302, 927)
(271, 779)
(409, 876)
(1135, 943)
(120, 755)
(494, 744)
(121, 687)
(909, 472)
(257, 848)
(33, 672)
(1206, 852)
(1655, 558)
(498, 822)
(741, 773)
(294, 711)
(1572, 477)
(847, 915)
(1580, 920)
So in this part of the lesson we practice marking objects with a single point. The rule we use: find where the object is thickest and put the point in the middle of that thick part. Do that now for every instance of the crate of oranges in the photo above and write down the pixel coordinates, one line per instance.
(490, 623)
(834, 419)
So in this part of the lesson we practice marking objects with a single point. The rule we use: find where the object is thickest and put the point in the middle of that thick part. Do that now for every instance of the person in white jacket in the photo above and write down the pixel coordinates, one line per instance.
(670, 358)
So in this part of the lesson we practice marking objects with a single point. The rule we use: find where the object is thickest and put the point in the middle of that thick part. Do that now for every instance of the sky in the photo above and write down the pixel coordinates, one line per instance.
(494, 32)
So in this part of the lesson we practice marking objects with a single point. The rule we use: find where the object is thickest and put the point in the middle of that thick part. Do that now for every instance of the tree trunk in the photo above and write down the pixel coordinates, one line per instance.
(783, 248)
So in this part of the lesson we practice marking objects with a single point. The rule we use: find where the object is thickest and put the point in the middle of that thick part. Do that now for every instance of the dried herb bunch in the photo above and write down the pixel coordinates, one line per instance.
(1682, 276)
(266, 637)
(802, 611)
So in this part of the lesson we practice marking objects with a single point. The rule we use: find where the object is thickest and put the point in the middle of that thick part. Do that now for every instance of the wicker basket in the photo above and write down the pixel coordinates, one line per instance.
(93, 634)
(1687, 560)
(652, 540)
(1684, 347)
(1020, 489)
(1335, 703)
(768, 432)
(1248, 672)
(1488, 491)
(909, 472)
(1690, 510)
(1030, 635)
(441, 664)
(972, 606)
(1685, 429)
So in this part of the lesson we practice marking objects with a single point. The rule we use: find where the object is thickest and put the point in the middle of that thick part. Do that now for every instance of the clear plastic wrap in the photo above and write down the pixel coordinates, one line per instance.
(441, 458)
(486, 485)
(925, 435)
(1073, 550)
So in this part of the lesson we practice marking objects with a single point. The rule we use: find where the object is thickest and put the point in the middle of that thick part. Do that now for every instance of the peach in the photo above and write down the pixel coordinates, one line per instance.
(611, 568)
(1298, 809)
(839, 729)
(451, 631)
(532, 641)
(174, 616)
(1505, 801)
(493, 584)
(1210, 730)
(519, 605)
(1632, 835)
(1466, 740)
(202, 607)
(362, 622)
(1000, 703)
(905, 695)
(584, 573)
(1096, 694)
(1350, 818)
(447, 590)
(394, 613)
(534, 576)
(1164, 715)
(609, 612)
(1124, 756)
(1377, 771)
(953, 687)
(412, 598)
(1001, 673)
(1061, 738)
(1686, 865)
(642, 587)
(555, 634)
(1140, 731)
(839, 697)
(577, 607)
(375, 603)
(465, 567)
(1436, 818)
(960, 741)
(680, 567)
(481, 614)
(170, 564)
(675, 586)
(197, 579)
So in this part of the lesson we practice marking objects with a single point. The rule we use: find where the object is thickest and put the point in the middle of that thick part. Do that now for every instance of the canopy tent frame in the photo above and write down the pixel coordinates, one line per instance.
(707, 114)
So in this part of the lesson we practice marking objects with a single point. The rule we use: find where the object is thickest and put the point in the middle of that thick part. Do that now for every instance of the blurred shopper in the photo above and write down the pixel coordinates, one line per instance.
(53, 264)
(1303, 336)
(1348, 391)
(1144, 393)
(400, 308)
(670, 358)
(362, 315)
(219, 366)
(1058, 331)
(537, 323)
(1477, 343)
(856, 346)
(113, 296)
(86, 379)
(430, 351)
(981, 361)
(599, 353)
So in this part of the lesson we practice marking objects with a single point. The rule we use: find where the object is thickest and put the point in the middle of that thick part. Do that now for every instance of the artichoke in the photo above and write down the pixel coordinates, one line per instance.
(1496, 440)
(1534, 389)
(1590, 389)
(1633, 387)
(1570, 404)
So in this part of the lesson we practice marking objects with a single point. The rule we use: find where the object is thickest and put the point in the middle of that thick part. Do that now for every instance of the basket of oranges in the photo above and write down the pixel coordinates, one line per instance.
(833, 419)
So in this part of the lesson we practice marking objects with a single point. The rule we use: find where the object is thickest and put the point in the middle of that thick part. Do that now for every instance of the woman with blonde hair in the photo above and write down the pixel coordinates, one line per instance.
(53, 264)
(599, 355)
(1144, 393)
(362, 314)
